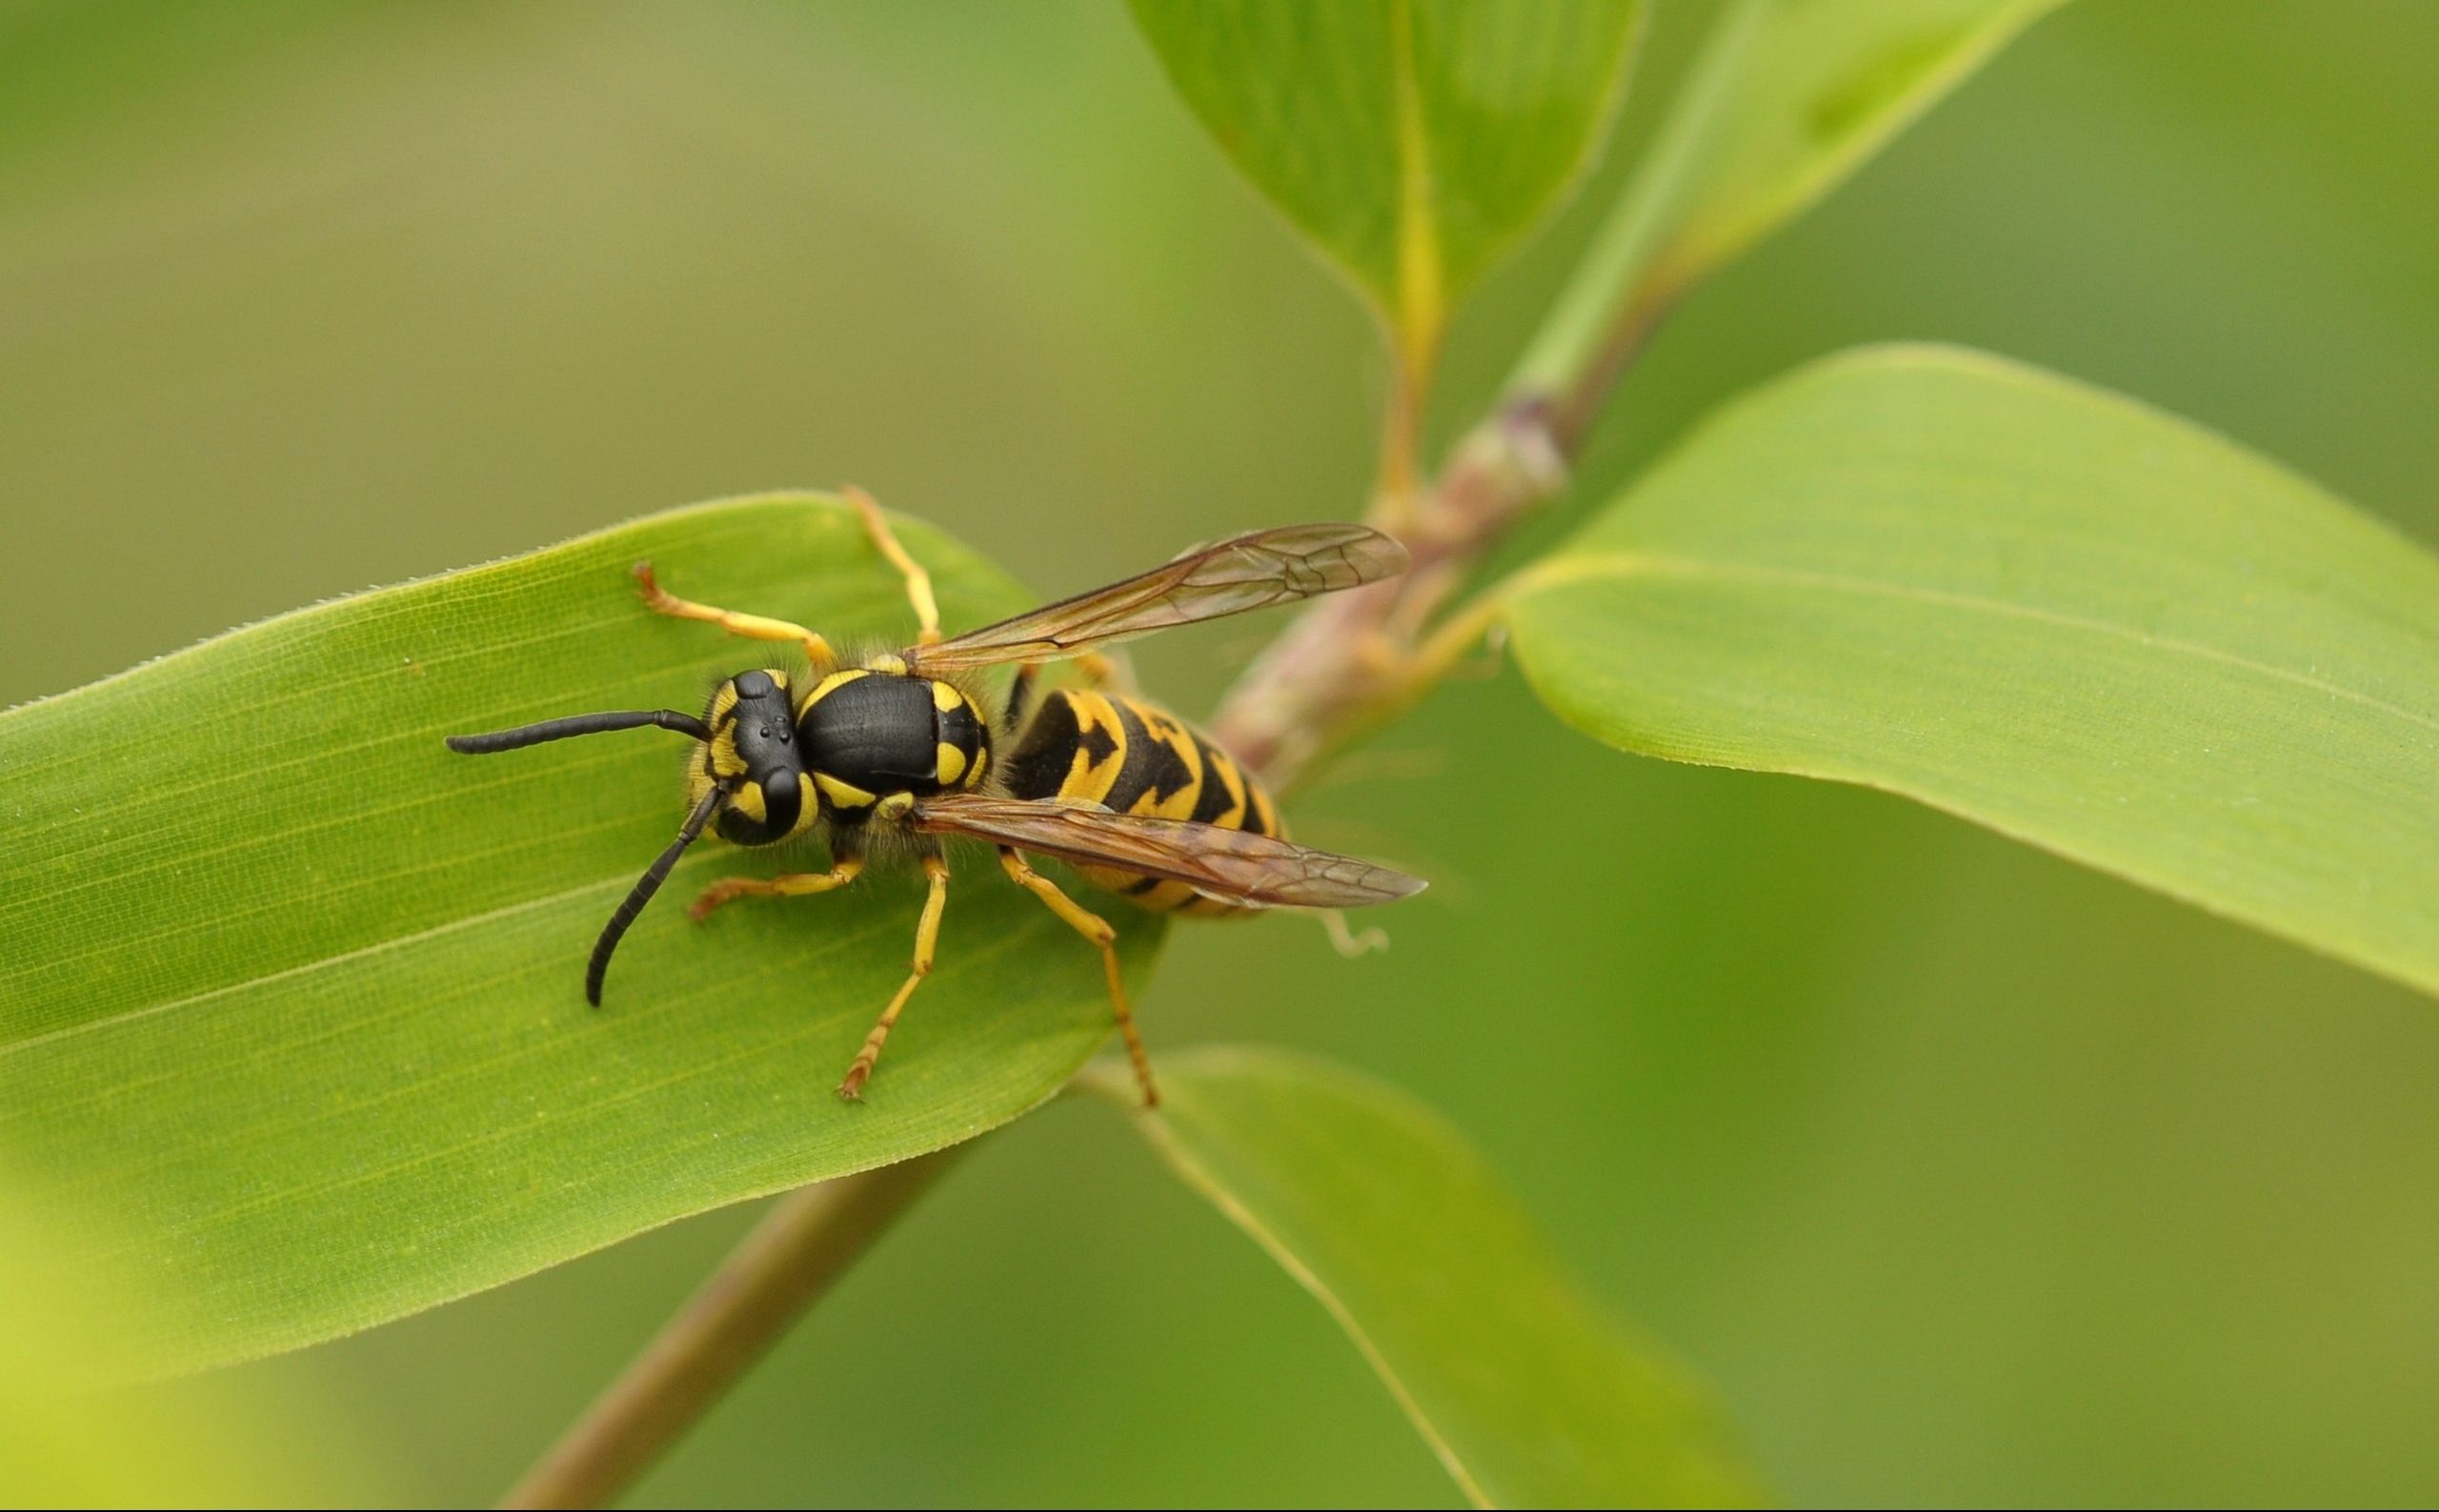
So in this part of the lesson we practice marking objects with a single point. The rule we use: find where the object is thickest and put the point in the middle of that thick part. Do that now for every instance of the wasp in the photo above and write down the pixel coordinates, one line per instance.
(906, 746)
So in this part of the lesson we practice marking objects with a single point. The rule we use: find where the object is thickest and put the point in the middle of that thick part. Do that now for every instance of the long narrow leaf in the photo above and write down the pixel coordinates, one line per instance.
(2043, 607)
(298, 991)
(1527, 1392)
(1785, 101)
(1412, 141)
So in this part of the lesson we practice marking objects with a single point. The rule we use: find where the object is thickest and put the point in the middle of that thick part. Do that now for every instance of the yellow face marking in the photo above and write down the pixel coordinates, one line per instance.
(721, 753)
(895, 666)
(981, 765)
(946, 699)
(895, 806)
(951, 762)
(842, 794)
(749, 800)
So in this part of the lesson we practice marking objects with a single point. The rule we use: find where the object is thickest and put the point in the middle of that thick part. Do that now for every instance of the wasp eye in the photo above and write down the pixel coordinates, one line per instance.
(766, 732)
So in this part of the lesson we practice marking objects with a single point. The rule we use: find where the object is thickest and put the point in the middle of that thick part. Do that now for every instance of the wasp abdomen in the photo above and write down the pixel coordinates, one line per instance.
(1136, 757)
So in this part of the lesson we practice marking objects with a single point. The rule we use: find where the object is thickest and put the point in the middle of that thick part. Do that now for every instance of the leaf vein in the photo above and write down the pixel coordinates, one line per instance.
(1624, 565)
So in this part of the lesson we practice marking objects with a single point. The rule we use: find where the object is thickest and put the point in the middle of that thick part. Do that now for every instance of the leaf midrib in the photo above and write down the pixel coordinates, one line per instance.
(975, 959)
(1622, 566)
(1105, 1081)
(1418, 261)
(306, 968)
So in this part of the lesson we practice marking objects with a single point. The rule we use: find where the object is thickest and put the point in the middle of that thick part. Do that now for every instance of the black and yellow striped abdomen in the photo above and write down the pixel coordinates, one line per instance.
(1136, 757)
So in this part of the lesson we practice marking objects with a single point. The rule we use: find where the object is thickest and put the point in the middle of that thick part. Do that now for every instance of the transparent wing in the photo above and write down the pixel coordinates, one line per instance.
(1240, 867)
(1246, 573)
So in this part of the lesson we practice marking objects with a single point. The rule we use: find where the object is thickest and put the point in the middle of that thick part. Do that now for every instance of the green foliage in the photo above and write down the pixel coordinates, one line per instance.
(2043, 607)
(319, 1075)
(1413, 141)
(66, 1442)
(298, 991)
(1898, 1333)
(1788, 98)
(1529, 1394)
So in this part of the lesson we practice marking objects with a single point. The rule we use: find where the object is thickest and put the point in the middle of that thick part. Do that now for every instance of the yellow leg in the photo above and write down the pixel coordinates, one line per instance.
(918, 582)
(1095, 929)
(1346, 940)
(752, 627)
(927, 935)
(787, 884)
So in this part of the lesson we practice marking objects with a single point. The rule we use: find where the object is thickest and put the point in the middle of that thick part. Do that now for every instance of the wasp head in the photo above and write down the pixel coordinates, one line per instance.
(753, 757)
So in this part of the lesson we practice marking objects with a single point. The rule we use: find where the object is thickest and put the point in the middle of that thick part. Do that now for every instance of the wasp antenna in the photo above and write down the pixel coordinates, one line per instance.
(641, 893)
(574, 724)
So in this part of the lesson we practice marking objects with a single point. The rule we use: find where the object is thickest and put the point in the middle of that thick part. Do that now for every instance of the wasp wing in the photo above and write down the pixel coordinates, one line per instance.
(1237, 865)
(1246, 573)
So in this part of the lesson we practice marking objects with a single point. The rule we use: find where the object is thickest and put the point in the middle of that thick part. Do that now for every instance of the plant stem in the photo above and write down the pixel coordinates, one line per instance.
(784, 1267)
(1348, 661)
(1354, 657)
(1624, 280)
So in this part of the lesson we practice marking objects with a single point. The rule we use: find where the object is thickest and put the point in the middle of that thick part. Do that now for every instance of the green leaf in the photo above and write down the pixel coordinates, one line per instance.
(64, 1441)
(1527, 1391)
(2041, 606)
(299, 990)
(1413, 141)
(1786, 99)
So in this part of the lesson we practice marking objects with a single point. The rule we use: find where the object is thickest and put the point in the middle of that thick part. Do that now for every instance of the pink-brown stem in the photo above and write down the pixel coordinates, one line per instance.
(1349, 660)
(794, 1256)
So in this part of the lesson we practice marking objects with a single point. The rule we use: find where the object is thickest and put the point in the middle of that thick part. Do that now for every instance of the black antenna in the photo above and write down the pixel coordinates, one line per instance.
(523, 735)
(641, 893)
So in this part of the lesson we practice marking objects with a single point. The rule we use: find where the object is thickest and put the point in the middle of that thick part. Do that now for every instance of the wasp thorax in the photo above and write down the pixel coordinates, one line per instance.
(868, 734)
(755, 754)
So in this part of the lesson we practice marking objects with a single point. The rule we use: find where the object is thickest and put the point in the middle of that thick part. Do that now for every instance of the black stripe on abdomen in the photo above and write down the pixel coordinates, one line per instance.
(1224, 800)
(1152, 764)
(1038, 767)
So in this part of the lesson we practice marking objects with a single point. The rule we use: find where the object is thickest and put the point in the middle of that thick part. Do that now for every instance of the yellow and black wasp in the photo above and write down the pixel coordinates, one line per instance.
(901, 745)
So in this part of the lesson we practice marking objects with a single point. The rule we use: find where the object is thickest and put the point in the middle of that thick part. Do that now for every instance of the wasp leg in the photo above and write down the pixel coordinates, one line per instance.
(1346, 940)
(918, 582)
(752, 627)
(1095, 929)
(787, 884)
(927, 935)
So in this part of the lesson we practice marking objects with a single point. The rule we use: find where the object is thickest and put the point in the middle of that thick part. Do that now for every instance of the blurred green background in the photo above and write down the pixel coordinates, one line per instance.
(1962, 1171)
